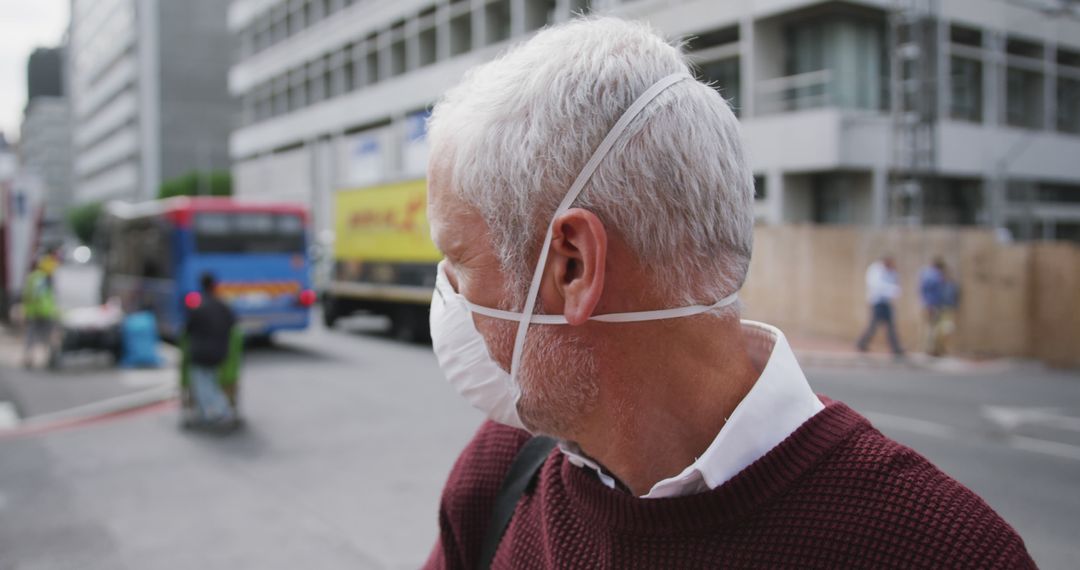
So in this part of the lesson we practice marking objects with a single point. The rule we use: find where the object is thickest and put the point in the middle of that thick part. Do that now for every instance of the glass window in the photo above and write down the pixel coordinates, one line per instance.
(253, 223)
(723, 75)
(248, 232)
(1024, 98)
(1068, 91)
(851, 50)
(1068, 105)
(428, 48)
(965, 36)
(461, 34)
(498, 21)
(714, 38)
(539, 13)
(966, 89)
(397, 58)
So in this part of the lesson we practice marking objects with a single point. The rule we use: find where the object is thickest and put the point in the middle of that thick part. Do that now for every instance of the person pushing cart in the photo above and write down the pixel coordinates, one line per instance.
(211, 347)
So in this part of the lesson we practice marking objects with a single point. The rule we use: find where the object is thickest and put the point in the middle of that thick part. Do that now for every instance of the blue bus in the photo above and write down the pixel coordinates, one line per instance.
(155, 253)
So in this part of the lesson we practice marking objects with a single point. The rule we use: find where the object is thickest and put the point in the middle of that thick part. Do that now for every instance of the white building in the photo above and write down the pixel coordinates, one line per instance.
(45, 148)
(333, 95)
(147, 82)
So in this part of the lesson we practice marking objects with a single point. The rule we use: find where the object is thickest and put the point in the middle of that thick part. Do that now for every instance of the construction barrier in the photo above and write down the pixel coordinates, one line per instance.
(1016, 300)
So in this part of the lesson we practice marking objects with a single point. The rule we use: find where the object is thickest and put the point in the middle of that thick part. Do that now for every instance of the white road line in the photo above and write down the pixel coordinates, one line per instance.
(935, 429)
(1056, 448)
(9, 418)
(913, 425)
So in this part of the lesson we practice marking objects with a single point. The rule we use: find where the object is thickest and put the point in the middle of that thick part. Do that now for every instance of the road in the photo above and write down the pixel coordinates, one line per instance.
(351, 435)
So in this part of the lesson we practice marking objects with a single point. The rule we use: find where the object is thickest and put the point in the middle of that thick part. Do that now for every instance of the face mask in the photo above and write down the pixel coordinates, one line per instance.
(459, 347)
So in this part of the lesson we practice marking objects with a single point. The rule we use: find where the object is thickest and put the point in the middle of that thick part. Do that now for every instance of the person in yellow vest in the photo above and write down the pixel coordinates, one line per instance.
(40, 310)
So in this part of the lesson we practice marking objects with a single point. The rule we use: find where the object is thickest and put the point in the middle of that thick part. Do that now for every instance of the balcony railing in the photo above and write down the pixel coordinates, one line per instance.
(810, 90)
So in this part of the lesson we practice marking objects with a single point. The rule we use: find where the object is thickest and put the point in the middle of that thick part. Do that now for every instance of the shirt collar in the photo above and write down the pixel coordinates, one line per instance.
(779, 402)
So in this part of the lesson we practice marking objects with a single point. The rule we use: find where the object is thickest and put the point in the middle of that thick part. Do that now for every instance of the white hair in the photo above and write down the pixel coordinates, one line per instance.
(677, 188)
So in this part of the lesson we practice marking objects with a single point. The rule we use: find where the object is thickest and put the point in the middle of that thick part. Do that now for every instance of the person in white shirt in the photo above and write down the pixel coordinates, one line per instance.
(882, 288)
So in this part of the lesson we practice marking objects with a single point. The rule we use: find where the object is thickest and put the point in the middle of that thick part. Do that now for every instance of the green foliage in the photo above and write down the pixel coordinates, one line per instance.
(83, 220)
(216, 183)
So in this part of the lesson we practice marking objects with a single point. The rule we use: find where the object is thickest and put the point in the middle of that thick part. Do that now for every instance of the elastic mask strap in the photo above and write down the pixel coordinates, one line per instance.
(575, 189)
(630, 317)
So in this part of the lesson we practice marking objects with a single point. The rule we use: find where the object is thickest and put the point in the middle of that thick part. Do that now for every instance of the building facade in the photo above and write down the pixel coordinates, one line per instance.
(149, 102)
(45, 152)
(45, 138)
(334, 93)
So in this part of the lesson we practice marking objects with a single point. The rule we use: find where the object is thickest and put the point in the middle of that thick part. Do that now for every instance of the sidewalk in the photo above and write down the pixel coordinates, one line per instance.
(823, 352)
(85, 385)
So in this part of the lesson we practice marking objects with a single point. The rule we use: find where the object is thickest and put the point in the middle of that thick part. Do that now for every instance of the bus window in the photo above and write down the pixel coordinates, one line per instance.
(248, 232)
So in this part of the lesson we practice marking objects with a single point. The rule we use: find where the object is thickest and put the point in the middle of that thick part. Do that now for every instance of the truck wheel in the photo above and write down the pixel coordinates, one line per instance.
(330, 312)
(410, 324)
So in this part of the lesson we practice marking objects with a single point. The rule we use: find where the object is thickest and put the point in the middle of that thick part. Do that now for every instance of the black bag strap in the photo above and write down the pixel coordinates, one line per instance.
(522, 472)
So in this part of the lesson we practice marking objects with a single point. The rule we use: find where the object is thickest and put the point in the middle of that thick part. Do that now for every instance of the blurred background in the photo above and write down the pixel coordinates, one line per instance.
(281, 144)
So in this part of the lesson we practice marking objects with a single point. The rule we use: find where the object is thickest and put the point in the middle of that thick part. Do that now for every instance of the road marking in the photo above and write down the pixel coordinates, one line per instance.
(935, 429)
(1057, 448)
(1010, 418)
(9, 416)
(914, 425)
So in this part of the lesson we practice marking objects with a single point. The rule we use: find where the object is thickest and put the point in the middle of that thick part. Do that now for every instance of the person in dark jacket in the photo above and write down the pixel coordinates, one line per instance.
(209, 327)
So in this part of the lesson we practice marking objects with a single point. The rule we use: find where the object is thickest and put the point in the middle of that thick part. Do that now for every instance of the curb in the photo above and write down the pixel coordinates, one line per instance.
(129, 404)
(911, 362)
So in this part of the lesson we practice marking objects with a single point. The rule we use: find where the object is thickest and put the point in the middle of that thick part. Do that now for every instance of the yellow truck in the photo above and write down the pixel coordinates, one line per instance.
(384, 261)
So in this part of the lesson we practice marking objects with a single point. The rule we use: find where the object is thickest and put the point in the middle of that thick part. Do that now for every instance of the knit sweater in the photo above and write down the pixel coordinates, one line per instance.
(835, 494)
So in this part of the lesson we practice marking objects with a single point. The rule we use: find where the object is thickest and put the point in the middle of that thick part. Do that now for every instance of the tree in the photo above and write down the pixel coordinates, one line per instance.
(84, 220)
(216, 183)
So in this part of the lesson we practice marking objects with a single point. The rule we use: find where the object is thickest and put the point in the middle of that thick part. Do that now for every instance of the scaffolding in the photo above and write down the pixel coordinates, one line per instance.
(913, 33)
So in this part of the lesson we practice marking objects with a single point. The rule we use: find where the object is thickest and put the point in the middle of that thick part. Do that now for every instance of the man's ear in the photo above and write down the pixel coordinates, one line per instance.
(577, 256)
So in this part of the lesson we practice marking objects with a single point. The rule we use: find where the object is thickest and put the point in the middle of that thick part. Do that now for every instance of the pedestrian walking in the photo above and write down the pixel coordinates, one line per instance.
(40, 312)
(882, 289)
(211, 351)
(587, 304)
(950, 302)
(932, 294)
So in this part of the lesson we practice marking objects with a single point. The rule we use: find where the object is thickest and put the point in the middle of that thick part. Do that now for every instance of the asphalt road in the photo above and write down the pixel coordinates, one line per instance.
(350, 436)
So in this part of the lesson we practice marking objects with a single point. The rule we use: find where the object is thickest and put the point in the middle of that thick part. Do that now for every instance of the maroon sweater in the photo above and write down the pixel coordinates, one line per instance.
(834, 494)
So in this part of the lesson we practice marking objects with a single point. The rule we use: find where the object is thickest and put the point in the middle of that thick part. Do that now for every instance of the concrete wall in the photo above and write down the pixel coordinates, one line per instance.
(1016, 300)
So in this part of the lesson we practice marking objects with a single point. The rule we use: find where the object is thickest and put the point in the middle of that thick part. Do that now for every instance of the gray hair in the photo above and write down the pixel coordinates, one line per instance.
(677, 187)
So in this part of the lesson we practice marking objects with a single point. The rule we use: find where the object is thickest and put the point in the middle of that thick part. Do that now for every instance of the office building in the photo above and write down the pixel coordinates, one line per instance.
(147, 82)
(857, 112)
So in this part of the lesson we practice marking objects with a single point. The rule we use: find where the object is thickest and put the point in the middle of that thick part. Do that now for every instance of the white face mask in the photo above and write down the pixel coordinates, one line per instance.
(459, 347)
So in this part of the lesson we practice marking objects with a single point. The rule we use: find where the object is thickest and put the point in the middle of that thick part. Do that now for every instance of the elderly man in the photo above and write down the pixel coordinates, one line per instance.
(595, 209)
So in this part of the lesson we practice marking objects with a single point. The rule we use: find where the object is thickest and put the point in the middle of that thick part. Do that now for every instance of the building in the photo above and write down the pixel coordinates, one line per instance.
(44, 73)
(856, 112)
(45, 151)
(45, 140)
(147, 82)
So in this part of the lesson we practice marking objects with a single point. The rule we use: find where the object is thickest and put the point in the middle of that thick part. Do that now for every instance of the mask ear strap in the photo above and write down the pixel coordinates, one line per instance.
(583, 177)
(512, 316)
(661, 314)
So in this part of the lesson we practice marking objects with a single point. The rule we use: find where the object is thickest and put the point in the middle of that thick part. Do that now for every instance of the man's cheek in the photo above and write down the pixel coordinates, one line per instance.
(499, 338)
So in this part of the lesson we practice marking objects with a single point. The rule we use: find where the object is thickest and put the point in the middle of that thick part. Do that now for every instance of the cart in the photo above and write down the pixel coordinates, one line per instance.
(228, 376)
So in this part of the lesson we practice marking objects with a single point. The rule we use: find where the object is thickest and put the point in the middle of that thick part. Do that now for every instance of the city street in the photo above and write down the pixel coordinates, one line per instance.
(350, 436)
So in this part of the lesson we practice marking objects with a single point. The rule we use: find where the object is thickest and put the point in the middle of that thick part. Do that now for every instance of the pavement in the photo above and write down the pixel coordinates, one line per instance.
(86, 385)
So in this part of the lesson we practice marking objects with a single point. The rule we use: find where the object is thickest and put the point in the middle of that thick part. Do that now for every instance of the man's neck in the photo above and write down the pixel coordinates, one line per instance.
(663, 403)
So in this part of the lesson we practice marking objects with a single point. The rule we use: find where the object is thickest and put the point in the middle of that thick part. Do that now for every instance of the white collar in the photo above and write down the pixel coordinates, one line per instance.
(779, 402)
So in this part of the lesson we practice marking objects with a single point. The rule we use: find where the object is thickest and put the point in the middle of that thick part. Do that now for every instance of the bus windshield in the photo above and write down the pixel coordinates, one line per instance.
(248, 232)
